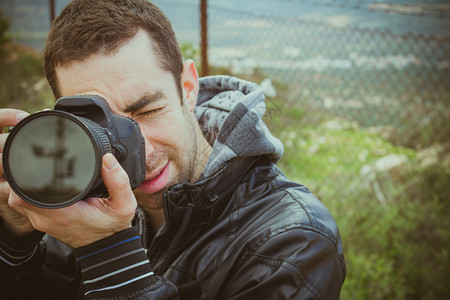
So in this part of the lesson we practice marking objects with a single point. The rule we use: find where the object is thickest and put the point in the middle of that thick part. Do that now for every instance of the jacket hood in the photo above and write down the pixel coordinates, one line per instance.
(229, 111)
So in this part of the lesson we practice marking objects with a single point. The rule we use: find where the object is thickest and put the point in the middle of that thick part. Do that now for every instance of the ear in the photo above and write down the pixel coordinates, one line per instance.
(189, 83)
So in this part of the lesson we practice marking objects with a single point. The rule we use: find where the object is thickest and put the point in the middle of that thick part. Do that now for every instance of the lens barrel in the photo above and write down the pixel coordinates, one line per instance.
(53, 158)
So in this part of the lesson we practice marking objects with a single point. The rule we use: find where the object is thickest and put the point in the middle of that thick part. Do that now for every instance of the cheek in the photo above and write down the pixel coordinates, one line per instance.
(165, 131)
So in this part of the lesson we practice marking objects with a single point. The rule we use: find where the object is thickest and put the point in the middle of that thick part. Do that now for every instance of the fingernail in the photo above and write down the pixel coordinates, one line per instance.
(109, 161)
(22, 115)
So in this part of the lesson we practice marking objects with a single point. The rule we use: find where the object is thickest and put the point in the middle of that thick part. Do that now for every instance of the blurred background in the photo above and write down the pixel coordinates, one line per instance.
(357, 90)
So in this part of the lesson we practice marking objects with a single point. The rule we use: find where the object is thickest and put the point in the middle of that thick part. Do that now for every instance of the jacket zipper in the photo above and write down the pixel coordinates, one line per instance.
(156, 239)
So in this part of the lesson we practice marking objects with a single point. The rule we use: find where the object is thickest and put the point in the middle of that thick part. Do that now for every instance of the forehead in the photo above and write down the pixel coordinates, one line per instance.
(121, 77)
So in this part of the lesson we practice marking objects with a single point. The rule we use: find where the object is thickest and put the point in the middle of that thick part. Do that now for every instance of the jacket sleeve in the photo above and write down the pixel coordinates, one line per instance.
(118, 267)
(20, 260)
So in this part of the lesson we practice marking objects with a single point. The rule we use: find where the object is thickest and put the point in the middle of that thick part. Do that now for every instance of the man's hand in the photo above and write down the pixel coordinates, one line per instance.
(16, 223)
(88, 220)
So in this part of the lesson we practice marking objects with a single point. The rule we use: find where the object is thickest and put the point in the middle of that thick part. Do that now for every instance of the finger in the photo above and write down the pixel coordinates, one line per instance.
(3, 138)
(45, 109)
(10, 116)
(16, 203)
(1, 166)
(118, 185)
(4, 191)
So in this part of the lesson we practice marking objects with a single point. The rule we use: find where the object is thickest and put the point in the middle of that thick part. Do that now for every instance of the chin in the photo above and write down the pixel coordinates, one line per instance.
(150, 201)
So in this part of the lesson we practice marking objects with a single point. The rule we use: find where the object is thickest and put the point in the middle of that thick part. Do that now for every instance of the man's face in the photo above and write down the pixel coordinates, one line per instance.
(133, 83)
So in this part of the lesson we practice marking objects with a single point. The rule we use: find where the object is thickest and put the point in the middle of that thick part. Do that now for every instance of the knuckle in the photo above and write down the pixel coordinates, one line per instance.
(4, 192)
(128, 212)
(37, 223)
(12, 202)
(41, 225)
(122, 181)
(123, 185)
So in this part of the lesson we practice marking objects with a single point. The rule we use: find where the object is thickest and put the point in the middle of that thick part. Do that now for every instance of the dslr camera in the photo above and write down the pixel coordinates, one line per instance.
(53, 158)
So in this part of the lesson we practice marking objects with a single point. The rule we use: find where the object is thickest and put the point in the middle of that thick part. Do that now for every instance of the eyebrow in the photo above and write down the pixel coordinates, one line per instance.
(144, 101)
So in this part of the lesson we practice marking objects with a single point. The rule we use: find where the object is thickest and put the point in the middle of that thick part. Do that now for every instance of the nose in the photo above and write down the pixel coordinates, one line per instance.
(149, 148)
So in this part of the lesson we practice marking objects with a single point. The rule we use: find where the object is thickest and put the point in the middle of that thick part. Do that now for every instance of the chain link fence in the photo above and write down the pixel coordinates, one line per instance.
(374, 77)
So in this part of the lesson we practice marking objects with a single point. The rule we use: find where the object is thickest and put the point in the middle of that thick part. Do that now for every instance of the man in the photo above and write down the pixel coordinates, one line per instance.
(214, 219)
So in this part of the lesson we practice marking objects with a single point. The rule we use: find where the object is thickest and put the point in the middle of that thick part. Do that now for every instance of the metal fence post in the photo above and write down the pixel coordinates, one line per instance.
(51, 4)
(204, 36)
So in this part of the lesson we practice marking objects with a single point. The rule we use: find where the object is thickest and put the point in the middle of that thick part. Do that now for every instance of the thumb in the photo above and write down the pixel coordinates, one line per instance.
(117, 183)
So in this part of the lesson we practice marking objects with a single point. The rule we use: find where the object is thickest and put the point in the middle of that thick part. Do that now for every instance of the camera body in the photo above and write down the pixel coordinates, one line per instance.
(124, 135)
(53, 158)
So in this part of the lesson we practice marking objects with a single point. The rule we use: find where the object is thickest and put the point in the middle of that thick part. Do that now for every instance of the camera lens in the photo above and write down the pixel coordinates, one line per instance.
(53, 158)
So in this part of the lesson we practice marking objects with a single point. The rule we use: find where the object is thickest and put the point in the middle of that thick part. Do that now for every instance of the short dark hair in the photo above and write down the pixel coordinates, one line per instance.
(88, 27)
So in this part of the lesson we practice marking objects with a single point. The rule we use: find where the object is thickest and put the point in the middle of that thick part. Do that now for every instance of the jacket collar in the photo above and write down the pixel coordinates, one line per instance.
(207, 197)
(189, 206)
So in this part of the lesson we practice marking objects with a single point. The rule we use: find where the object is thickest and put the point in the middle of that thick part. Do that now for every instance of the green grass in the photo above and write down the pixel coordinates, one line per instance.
(314, 153)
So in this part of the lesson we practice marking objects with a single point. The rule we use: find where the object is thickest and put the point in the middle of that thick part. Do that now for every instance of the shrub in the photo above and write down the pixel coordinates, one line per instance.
(22, 84)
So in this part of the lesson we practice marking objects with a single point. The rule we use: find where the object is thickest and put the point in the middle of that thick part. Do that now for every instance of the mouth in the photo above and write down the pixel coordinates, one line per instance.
(155, 182)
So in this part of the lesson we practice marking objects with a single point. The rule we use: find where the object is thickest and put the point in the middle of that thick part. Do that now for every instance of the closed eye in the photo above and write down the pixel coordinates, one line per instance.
(150, 112)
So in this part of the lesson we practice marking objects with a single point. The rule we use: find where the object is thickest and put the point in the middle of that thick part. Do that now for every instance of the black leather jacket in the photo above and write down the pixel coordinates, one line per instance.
(246, 232)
